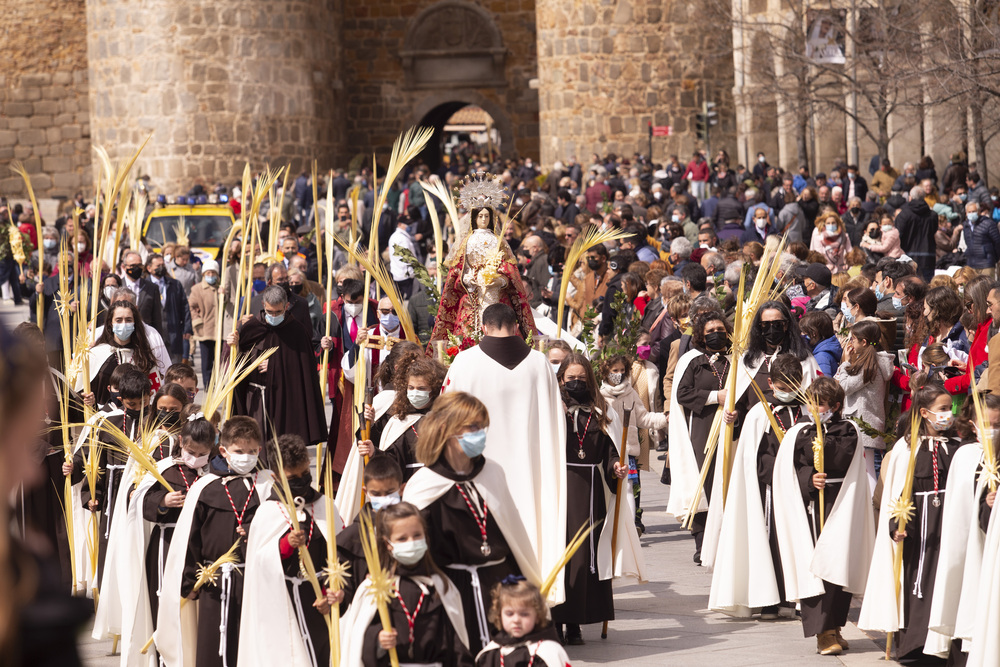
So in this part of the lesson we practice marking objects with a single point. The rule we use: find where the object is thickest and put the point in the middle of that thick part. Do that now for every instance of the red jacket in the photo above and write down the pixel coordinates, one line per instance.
(697, 171)
(977, 355)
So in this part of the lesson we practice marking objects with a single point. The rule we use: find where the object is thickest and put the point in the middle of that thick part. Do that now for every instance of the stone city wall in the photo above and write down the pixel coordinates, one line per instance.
(44, 111)
(606, 70)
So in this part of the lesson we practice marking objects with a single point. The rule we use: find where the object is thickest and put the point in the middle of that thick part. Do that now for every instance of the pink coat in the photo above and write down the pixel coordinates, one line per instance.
(888, 245)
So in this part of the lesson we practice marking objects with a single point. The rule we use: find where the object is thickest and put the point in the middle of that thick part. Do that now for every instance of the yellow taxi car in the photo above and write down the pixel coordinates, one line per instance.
(205, 225)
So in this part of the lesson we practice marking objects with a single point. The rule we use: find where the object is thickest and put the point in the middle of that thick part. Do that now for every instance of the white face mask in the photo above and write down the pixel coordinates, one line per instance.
(784, 396)
(352, 309)
(555, 366)
(418, 398)
(109, 292)
(409, 553)
(81, 247)
(242, 464)
(760, 222)
(192, 461)
(615, 379)
(942, 420)
(379, 503)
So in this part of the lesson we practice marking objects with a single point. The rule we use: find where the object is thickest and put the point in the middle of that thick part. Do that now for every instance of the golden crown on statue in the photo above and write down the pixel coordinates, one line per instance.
(482, 190)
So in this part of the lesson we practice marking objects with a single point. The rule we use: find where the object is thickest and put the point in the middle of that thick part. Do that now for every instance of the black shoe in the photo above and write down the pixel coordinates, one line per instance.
(697, 557)
(573, 635)
(641, 529)
(665, 477)
(662, 447)
(661, 457)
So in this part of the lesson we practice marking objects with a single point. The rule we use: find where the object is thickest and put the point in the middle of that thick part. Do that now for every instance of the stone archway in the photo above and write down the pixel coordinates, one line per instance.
(435, 110)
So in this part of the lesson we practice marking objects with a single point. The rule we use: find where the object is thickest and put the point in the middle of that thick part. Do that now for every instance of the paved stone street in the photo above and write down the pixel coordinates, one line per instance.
(664, 622)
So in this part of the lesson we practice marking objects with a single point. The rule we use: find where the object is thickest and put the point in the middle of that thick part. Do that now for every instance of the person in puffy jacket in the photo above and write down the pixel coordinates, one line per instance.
(982, 239)
(817, 326)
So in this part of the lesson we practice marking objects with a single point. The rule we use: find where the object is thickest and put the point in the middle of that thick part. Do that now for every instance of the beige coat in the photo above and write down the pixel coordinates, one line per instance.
(204, 301)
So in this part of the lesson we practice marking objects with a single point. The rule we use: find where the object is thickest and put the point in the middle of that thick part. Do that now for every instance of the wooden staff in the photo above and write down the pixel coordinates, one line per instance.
(622, 462)
(328, 216)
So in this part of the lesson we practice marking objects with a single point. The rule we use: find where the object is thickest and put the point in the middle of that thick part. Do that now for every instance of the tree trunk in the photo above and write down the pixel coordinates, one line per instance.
(979, 137)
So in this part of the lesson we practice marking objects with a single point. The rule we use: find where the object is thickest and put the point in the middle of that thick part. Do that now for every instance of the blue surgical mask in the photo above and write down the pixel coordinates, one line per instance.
(123, 330)
(211, 280)
(831, 228)
(963, 196)
(259, 286)
(389, 322)
(473, 444)
(971, 217)
(848, 317)
(886, 228)
(50, 244)
(897, 303)
(274, 320)
(879, 294)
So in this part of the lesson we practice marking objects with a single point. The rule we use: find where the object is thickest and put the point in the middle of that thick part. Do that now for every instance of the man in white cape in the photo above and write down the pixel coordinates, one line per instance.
(527, 435)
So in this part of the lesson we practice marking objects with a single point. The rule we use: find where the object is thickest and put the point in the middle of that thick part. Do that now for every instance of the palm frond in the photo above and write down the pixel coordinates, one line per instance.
(438, 189)
(225, 380)
(380, 273)
(989, 471)
(593, 237)
(571, 548)
(407, 146)
(136, 450)
(381, 582)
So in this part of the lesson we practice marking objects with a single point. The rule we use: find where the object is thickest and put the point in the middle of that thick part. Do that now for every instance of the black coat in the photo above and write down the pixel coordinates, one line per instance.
(729, 208)
(147, 300)
(50, 290)
(917, 224)
(176, 316)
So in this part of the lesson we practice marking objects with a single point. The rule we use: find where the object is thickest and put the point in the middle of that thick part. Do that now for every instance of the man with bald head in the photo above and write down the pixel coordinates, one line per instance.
(298, 309)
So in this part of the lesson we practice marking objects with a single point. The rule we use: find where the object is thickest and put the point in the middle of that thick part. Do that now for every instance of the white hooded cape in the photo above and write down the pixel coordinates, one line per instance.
(527, 438)
(628, 561)
(843, 550)
(269, 629)
(743, 576)
(684, 470)
(351, 481)
(361, 613)
(985, 651)
(176, 635)
(83, 519)
(426, 486)
(961, 516)
(136, 612)
(882, 609)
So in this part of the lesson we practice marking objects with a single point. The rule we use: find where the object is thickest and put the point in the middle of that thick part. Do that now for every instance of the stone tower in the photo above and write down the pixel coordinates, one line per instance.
(606, 70)
(218, 82)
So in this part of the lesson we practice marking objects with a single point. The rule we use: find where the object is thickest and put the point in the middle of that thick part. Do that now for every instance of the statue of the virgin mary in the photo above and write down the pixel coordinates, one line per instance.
(483, 269)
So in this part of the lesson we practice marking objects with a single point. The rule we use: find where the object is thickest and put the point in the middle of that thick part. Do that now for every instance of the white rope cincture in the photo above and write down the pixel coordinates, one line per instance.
(593, 469)
(161, 557)
(300, 617)
(477, 592)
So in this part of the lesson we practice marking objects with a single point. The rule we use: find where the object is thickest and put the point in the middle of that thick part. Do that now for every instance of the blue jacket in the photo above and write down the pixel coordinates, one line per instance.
(827, 353)
(982, 239)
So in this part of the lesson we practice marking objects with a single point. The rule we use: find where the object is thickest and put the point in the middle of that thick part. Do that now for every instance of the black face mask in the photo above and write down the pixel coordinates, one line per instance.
(296, 288)
(285, 286)
(301, 487)
(167, 418)
(159, 272)
(774, 332)
(116, 397)
(134, 272)
(594, 264)
(717, 341)
(132, 414)
(578, 391)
